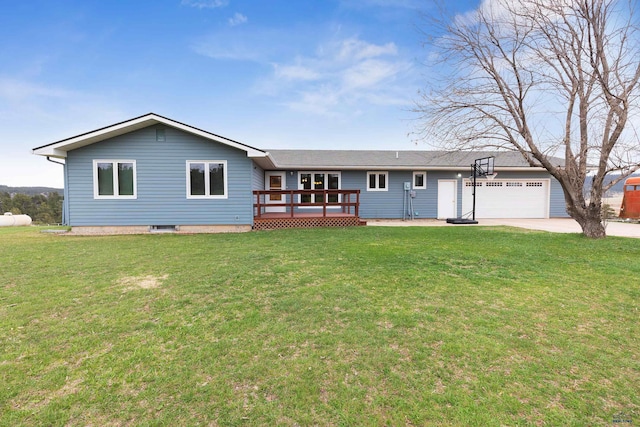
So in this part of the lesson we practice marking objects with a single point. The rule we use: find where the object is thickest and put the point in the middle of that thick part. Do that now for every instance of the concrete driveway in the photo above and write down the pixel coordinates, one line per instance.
(554, 225)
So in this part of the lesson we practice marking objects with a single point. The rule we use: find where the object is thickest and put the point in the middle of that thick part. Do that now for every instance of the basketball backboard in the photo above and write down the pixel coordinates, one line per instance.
(484, 166)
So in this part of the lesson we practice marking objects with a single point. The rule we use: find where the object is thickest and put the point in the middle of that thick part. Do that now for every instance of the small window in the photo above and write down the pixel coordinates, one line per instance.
(206, 179)
(114, 179)
(534, 184)
(419, 180)
(493, 184)
(377, 181)
(514, 184)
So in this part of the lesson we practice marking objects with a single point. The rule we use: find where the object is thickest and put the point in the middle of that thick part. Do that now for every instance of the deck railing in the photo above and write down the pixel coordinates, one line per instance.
(294, 202)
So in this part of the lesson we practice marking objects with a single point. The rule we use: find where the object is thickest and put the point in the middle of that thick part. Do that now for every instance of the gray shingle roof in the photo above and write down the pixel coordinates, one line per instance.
(360, 159)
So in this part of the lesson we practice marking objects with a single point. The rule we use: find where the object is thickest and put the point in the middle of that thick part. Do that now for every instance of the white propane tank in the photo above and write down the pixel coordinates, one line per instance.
(11, 220)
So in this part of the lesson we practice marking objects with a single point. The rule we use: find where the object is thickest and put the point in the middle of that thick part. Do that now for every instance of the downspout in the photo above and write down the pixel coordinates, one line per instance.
(65, 199)
(53, 161)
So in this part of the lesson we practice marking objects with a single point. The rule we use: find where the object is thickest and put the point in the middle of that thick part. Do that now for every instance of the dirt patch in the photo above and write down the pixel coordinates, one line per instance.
(41, 399)
(142, 282)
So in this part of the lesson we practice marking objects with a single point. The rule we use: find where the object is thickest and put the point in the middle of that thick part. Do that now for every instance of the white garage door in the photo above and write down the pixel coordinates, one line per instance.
(503, 198)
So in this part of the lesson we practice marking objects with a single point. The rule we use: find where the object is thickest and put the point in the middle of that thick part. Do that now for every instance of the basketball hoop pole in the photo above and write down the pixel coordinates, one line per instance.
(481, 167)
(474, 171)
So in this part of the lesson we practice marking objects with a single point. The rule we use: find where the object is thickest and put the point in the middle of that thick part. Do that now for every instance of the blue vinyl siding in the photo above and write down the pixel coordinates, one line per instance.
(257, 178)
(257, 181)
(378, 204)
(65, 201)
(161, 182)
(557, 204)
(389, 204)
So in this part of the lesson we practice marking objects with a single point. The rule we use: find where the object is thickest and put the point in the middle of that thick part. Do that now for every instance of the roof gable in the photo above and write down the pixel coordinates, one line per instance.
(60, 148)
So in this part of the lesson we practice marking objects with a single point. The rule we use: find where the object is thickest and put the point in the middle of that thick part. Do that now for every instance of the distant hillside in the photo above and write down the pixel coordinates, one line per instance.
(618, 188)
(30, 191)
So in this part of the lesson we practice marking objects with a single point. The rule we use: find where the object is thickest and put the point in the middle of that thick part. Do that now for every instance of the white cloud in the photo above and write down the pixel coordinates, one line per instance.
(369, 73)
(243, 44)
(34, 114)
(295, 72)
(205, 4)
(221, 48)
(405, 4)
(354, 48)
(340, 75)
(237, 19)
(321, 101)
(335, 75)
(14, 90)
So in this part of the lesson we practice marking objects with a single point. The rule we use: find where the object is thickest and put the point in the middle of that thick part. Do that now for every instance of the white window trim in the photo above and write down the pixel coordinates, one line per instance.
(377, 174)
(326, 183)
(206, 182)
(114, 162)
(413, 182)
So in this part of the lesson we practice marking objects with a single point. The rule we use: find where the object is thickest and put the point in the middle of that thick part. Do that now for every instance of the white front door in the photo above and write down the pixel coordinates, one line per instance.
(275, 181)
(447, 198)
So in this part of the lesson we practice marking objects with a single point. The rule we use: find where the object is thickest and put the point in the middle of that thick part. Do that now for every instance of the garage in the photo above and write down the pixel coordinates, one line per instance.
(507, 198)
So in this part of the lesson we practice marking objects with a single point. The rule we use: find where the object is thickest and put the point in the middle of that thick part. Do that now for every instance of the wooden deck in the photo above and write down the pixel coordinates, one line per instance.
(320, 208)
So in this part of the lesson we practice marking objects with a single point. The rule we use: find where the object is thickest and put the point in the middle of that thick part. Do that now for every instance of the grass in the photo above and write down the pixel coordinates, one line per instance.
(363, 326)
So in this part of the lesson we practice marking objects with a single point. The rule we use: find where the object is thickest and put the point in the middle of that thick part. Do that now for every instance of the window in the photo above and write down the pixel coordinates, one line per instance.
(419, 180)
(206, 179)
(114, 179)
(377, 181)
(319, 181)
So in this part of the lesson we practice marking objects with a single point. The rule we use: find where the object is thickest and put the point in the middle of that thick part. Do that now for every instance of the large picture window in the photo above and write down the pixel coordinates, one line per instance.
(206, 179)
(114, 179)
(319, 181)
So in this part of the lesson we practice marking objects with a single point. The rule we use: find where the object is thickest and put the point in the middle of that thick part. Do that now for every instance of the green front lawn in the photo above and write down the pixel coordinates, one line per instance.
(360, 326)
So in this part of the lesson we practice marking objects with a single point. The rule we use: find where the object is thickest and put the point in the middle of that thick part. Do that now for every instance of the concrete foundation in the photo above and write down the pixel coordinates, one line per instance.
(145, 229)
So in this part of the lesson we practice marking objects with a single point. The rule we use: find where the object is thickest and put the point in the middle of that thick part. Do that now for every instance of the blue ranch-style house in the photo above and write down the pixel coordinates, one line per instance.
(152, 173)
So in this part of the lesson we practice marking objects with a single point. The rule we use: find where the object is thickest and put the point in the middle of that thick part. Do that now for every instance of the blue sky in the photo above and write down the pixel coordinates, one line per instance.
(337, 74)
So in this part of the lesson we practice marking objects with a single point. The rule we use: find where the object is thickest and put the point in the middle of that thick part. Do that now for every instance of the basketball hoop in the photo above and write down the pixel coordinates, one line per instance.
(481, 168)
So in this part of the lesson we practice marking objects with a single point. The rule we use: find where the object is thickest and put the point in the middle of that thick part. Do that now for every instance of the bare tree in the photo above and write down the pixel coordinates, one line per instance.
(548, 78)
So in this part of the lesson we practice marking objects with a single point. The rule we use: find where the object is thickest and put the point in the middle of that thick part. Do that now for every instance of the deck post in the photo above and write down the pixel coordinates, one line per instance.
(324, 204)
(259, 213)
(291, 207)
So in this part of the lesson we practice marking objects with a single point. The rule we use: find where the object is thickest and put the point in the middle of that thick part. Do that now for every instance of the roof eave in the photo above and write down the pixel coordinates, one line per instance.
(403, 168)
(49, 152)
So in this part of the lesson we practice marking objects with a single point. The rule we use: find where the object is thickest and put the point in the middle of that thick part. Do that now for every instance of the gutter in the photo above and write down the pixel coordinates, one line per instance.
(403, 168)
